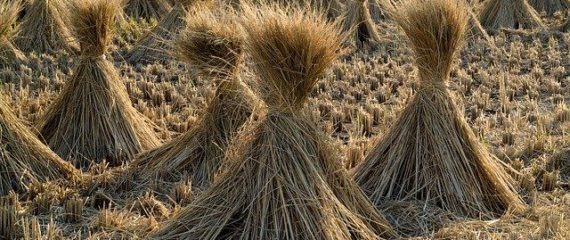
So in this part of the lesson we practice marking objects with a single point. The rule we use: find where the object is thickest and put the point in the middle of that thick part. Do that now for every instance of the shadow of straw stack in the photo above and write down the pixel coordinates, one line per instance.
(9, 54)
(44, 28)
(146, 9)
(24, 158)
(431, 154)
(211, 44)
(155, 45)
(282, 180)
(93, 118)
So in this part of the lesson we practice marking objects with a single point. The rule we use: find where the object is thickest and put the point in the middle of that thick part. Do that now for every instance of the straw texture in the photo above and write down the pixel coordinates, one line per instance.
(44, 28)
(9, 54)
(25, 159)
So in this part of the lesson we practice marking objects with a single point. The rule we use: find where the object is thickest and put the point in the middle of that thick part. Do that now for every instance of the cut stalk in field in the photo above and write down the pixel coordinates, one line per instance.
(93, 118)
(431, 154)
(155, 45)
(283, 181)
(511, 14)
(213, 46)
(44, 28)
(565, 27)
(9, 54)
(24, 158)
(146, 9)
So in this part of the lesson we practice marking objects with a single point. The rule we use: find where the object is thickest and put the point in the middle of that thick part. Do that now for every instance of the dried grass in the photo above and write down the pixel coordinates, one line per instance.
(93, 118)
(146, 9)
(9, 54)
(281, 182)
(550, 7)
(212, 45)
(359, 24)
(431, 154)
(510, 14)
(44, 28)
(155, 45)
(565, 27)
(24, 159)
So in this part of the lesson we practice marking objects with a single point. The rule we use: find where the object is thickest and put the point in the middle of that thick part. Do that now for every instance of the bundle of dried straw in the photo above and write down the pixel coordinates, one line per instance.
(213, 46)
(44, 28)
(282, 182)
(431, 154)
(358, 24)
(93, 118)
(146, 9)
(550, 7)
(155, 46)
(9, 54)
(497, 14)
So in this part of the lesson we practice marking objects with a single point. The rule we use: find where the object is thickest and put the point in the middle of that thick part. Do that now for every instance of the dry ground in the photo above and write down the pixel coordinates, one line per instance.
(515, 95)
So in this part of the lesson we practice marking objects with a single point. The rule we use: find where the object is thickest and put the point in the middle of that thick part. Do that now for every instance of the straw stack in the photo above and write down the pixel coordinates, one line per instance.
(9, 54)
(512, 14)
(213, 46)
(550, 7)
(276, 186)
(44, 28)
(93, 118)
(431, 154)
(359, 24)
(146, 9)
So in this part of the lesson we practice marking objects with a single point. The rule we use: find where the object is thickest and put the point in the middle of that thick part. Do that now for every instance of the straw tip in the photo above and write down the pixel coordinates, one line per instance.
(211, 42)
(436, 29)
(291, 47)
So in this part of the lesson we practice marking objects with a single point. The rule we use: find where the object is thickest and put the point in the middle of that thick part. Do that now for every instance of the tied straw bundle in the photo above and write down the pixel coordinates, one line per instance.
(44, 28)
(431, 154)
(213, 46)
(93, 118)
(9, 54)
(277, 184)
(146, 9)
(513, 14)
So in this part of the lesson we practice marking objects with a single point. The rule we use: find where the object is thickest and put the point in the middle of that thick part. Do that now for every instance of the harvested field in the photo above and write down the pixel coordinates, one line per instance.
(511, 87)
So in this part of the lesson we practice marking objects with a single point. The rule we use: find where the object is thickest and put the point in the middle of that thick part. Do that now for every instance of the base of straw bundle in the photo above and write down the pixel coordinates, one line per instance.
(451, 169)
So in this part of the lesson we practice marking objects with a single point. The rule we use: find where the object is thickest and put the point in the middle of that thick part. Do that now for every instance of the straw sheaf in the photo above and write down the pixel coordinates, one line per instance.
(44, 29)
(212, 46)
(278, 183)
(92, 25)
(436, 30)
(287, 56)
(210, 43)
(431, 153)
